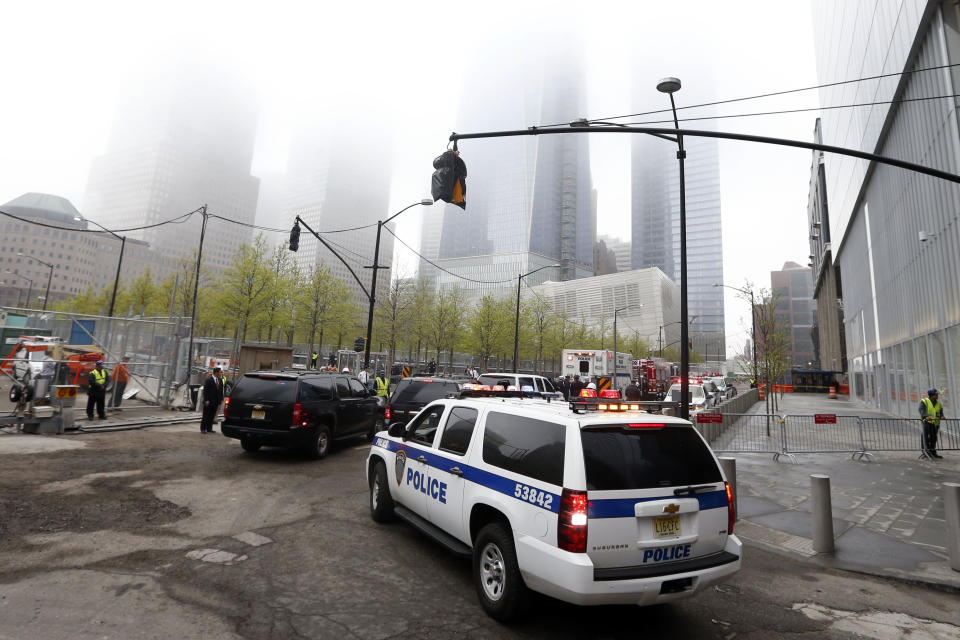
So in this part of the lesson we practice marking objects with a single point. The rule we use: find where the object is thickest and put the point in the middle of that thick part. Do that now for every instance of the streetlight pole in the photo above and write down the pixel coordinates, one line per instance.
(46, 296)
(753, 323)
(671, 86)
(123, 244)
(426, 202)
(516, 324)
(196, 289)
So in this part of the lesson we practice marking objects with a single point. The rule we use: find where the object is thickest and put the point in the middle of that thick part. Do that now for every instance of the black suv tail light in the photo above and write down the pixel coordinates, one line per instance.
(226, 406)
(387, 414)
(298, 417)
(572, 522)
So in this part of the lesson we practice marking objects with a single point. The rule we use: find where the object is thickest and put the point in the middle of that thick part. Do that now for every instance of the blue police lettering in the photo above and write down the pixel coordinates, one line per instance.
(428, 486)
(664, 554)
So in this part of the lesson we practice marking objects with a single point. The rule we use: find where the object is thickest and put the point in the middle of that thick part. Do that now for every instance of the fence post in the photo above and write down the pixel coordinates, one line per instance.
(951, 503)
(729, 466)
(822, 513)
(783, 433)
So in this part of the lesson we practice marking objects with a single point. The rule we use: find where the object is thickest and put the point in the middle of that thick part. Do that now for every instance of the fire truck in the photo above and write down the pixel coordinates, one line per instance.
(598, 366)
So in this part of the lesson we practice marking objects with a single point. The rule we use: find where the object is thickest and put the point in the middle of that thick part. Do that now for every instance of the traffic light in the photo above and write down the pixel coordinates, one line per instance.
(295, 236)
(450, 179)
(359, 344)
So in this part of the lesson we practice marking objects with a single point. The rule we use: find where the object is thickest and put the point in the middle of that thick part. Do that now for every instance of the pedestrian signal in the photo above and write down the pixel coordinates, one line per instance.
(450, 179)
(295, 236)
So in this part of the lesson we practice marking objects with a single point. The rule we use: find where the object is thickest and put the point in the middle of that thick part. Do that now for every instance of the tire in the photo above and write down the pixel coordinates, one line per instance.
(378, 425)
(381, 502)
(320, 444)
(500, 587)
(250, 444)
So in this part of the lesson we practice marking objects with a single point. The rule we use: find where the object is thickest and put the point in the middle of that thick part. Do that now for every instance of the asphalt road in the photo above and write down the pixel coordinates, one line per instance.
(165, 533)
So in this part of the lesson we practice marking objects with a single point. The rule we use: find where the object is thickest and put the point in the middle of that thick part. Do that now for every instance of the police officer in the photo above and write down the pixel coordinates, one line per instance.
(382, 384)
(931, 412)
(632, 392)
(313, 360)
(97, 381)
(576, 387)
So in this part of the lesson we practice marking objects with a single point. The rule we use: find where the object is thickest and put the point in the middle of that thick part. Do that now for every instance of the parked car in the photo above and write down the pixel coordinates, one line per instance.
(302, 410)
(519, 380)
(698, 397)
(412, 394)
(714, 396)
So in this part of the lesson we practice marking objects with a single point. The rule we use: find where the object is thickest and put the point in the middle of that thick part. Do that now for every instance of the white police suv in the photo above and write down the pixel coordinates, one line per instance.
(591, 504)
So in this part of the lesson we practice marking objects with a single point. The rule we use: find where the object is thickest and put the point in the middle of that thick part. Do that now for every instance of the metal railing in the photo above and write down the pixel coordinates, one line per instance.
(788, 435)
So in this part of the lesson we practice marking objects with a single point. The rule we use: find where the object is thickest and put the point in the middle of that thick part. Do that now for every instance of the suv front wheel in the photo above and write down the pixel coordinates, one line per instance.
(500, 586)
(381, 503)
(319, 445)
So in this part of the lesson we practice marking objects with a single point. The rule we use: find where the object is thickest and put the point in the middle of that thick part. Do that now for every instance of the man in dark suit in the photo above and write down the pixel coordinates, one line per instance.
(212, 395)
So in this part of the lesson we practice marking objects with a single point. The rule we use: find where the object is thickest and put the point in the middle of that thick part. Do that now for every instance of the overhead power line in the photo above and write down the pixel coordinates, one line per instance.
(178, 220)
(434, 264)
(763, 95)
(786, 111)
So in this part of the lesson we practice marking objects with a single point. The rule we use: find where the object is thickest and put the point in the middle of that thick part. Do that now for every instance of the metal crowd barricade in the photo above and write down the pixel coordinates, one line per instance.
(824, 433)
(747, 433)
(949, 438)
(891, 434)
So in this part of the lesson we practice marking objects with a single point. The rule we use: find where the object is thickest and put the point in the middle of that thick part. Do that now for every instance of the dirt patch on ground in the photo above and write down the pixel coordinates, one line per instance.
(110, 503)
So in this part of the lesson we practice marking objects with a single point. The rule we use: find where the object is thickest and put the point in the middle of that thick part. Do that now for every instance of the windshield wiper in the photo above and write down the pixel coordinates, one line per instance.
(690, 490)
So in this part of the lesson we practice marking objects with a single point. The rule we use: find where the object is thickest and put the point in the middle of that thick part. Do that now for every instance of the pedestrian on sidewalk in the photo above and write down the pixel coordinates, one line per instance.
(211, 401)
(931, 412)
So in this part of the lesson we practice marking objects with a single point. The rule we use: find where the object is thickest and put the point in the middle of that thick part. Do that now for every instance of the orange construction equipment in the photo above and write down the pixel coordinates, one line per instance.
(833, 393)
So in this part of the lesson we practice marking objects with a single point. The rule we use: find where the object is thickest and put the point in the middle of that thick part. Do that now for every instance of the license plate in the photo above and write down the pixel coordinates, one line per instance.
(258, 415)
(666, 527)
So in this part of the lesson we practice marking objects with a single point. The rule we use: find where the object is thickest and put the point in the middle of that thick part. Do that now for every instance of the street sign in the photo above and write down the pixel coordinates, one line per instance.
(406, 371)
(825, 418)
(709, 418)
(603, 383)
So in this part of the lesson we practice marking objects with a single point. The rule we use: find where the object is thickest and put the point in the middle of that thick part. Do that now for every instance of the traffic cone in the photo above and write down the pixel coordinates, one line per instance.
(833, 393)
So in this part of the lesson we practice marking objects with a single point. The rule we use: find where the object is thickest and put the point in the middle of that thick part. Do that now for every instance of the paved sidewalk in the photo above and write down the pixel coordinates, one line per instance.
(888, 513)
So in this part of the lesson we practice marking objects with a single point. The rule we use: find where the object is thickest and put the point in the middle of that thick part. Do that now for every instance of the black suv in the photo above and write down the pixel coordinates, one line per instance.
(412, 394)
(305, 410)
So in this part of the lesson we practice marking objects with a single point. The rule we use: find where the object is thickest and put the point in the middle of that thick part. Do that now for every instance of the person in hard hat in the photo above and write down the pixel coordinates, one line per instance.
(931, 412)
(382, 384)
(121, 375)
(97, 381)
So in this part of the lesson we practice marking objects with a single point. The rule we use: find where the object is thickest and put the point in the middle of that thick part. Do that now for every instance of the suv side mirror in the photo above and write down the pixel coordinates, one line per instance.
(397, 430)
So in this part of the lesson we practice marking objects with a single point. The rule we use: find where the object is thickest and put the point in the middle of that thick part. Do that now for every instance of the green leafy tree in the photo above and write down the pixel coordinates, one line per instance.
(391, 315)
(421, 320)
(313, 301)
(243, 286)
(489, 328)
(277, 297)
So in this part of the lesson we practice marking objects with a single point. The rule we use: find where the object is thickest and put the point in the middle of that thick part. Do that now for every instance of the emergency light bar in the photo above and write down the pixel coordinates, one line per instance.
(585, 405)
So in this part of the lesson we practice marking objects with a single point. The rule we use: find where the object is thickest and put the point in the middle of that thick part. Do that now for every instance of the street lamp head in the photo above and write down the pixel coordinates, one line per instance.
(78, 218)
(427, 202)
(669, 85)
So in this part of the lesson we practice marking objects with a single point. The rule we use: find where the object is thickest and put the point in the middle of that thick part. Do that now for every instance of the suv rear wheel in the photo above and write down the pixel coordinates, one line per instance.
(378, 425)
(249, 444)
(500, 586)
(381, 503)
(319, 445)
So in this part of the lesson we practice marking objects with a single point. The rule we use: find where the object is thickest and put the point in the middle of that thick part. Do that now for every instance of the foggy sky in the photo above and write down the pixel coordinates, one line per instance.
(401, 64)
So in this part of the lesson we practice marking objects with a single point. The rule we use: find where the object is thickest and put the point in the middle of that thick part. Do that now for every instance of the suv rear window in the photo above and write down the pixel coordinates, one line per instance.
(255, 388)
(645, 458)
(422, 392)
(530, 447)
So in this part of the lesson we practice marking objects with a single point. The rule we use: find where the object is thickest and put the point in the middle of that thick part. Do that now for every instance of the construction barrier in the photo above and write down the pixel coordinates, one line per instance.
(746, 433)
(833, 393)
(823, 433)
(904, 434)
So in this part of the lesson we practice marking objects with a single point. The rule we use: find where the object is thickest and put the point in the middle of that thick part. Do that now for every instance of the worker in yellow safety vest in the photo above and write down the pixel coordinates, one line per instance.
(97, 381)
(931, 412)
(383, 384)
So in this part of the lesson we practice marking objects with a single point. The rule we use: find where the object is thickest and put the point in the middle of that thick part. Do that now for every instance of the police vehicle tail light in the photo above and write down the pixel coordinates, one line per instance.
(298, 415)
(572, 521)
(731, 509)
(226, 406)
(387, 413)
(588, 393)
(610, 393)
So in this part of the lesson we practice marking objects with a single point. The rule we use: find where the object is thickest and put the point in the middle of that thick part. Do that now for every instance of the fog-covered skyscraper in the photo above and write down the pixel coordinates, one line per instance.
(183, 137)
(655, 228)
(339, 178)
(529, 199)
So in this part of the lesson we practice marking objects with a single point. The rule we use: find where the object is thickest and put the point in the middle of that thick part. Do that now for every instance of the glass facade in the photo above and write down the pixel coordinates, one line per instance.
(655, 227)
(901, 306)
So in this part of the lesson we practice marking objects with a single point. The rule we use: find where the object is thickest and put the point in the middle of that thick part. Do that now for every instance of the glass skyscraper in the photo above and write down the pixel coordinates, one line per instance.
(529, 199)
(655, 228)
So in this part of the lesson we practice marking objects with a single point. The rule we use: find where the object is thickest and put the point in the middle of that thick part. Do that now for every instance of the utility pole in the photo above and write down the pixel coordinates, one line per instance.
(196, 288)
